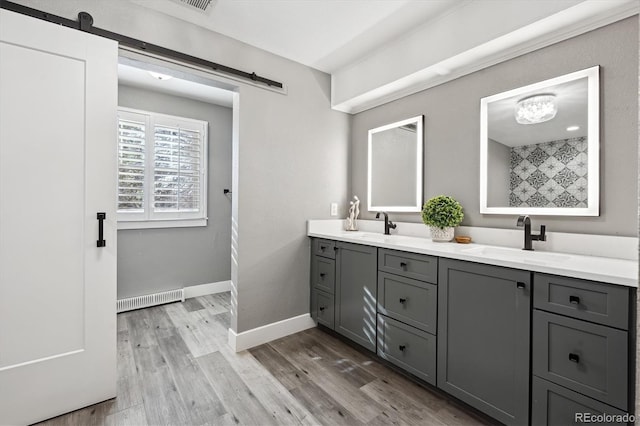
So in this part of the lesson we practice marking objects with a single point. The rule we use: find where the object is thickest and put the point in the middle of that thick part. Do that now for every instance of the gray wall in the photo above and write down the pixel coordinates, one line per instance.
(151, 260)
(452, 129)
(292, 157)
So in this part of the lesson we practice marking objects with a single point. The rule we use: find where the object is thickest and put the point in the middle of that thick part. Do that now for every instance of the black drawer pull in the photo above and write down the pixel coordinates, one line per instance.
(403, 301)
(574, 358)
(336, 248)
(403, 265)
(323, 248)
(322, 308)
(322, 275)
(520, 284)
(402, 347)
(574, 300)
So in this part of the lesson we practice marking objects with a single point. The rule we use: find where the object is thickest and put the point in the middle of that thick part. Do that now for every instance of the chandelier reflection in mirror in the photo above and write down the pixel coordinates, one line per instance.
(536, 109)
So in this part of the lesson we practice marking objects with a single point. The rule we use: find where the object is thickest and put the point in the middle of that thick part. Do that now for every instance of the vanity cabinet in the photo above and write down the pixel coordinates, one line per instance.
(343, 289)
(580, 348)
(407, 311)
(523, 347)
(355, 294)
(484, 337)
(323, 266)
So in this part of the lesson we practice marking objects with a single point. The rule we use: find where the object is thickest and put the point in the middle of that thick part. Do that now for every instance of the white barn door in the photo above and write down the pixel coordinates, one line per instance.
(58, 99)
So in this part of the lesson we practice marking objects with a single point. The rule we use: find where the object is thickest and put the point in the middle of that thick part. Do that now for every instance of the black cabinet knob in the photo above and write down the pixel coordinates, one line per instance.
(574, 358)
(402, 300)
(322, 275)
(322, 308)
(403, 265)
(402, 347)
(323, 248)
(574, 300)
(520, 284)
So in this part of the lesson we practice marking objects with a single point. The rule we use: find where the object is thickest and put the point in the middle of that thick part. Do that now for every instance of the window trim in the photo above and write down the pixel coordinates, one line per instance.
(148, 218)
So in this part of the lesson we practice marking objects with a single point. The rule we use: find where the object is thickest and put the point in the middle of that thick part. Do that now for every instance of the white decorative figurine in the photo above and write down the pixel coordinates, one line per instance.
(354, 212)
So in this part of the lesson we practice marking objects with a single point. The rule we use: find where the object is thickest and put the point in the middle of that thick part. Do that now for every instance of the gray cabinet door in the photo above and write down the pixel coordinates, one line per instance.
(588, 358)
(483, 338)
(355, 296)
(407, 347)
(322, 309)
(553, 405)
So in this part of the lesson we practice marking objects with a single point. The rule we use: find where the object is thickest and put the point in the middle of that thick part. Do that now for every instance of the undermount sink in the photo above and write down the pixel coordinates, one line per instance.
(509, 253)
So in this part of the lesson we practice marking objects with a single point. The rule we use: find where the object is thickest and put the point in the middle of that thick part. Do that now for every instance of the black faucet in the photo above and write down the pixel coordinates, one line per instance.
(387, 223)
(528, 237)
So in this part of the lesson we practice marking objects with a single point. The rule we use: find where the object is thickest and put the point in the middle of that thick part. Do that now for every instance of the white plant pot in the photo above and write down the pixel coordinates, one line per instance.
(442, 235)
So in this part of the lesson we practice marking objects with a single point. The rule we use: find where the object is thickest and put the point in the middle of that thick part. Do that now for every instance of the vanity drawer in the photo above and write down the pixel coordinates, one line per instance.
(323, 274)
(322, 308)
(408, 348)
(555, 405)
(588, 300)
(585, 357)
(416, 266)
(326, 248)
(410, 301)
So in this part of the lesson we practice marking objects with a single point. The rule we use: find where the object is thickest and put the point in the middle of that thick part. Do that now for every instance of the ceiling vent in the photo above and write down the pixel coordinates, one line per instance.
(201, 5)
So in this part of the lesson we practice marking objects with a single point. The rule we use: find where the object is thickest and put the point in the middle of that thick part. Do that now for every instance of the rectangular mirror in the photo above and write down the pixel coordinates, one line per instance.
(395, 166)
(539, 148)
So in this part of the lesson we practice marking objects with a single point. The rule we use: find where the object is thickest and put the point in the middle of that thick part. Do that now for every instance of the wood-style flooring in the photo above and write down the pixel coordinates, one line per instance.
(175, 368)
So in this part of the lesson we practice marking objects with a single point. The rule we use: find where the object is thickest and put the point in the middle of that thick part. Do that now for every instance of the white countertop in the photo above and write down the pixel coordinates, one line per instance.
(604, 269)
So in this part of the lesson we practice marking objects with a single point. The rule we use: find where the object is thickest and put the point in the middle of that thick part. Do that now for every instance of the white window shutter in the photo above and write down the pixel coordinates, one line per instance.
(131, 165)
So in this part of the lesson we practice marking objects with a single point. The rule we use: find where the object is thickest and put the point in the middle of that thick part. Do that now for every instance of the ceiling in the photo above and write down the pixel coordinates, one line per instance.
(377, 51)
(322, 34)
(130, 75)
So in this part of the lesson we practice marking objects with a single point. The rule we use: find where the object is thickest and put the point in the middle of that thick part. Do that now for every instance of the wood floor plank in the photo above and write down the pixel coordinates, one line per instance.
(365, 361)
(325, 408)
(398, 408)
(237, 398)
(344, 365)
(198, 396)
(195, 328)
(163, 404)
(128, 386)
(132, 416)
(325, 376)
(220, 300)
(272, 394)
(288, 374)
(192, 304)
(175, 367)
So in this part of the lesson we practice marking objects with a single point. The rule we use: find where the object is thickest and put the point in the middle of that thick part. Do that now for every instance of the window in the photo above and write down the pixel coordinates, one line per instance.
(162, 170)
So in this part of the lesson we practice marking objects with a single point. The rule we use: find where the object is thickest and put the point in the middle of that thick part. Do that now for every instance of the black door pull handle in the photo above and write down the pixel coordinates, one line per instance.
(574, 358)
(402, 347)
(574, 300)
(101, 241)
(322, 275)
(520, 284)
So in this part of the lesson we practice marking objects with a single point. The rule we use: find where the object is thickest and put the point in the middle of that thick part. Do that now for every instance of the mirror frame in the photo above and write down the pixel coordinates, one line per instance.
(593, 146)
(417, 206)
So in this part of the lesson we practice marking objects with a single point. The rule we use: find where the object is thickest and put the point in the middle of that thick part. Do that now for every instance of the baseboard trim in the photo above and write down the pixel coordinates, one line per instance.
(260, 335)
(204, 289)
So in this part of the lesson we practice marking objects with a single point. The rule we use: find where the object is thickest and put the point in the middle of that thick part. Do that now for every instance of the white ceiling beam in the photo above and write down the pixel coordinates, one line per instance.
(475, 35)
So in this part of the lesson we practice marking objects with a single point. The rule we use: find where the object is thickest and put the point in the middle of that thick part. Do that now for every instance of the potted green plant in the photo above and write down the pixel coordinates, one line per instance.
(442, 214)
